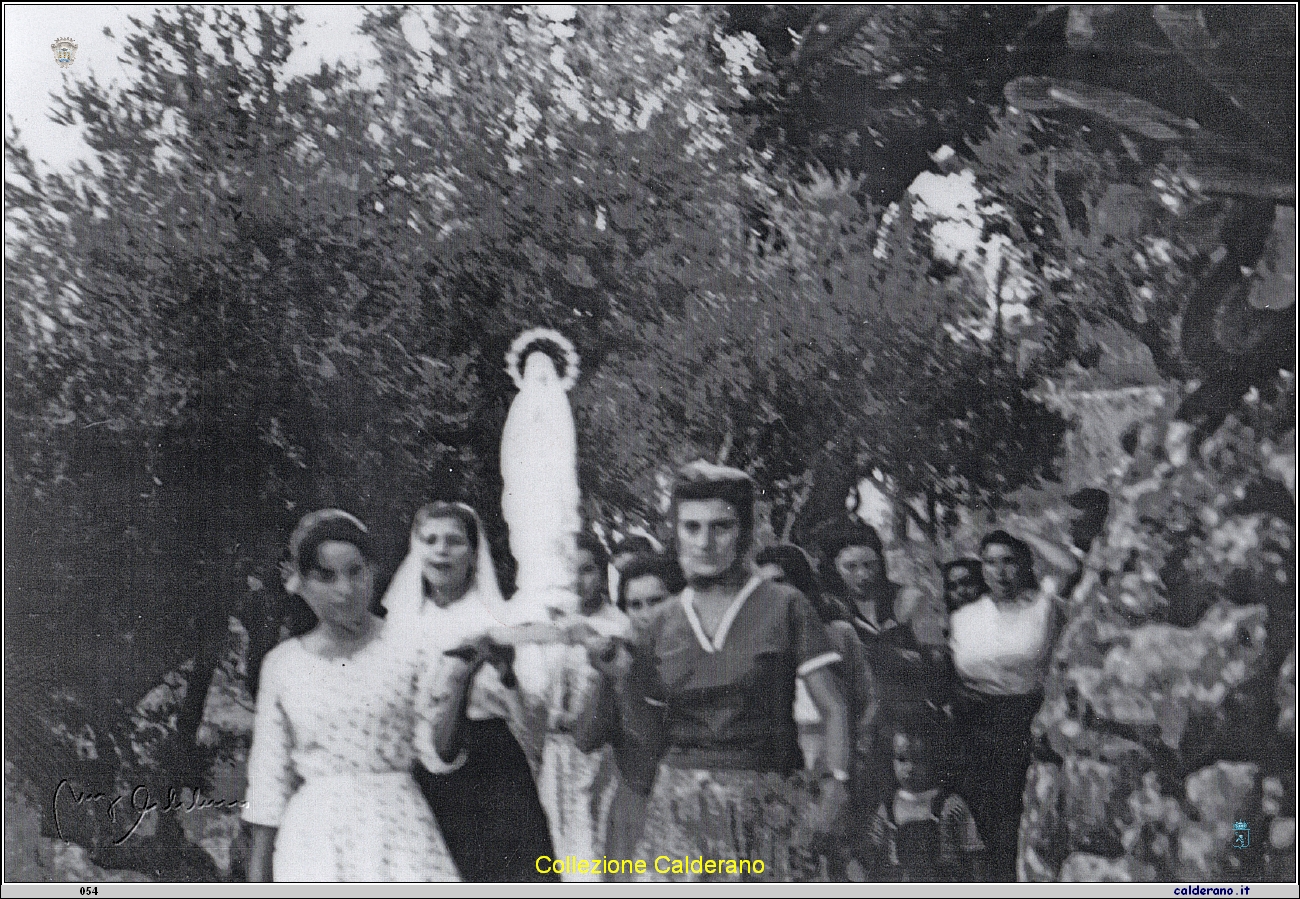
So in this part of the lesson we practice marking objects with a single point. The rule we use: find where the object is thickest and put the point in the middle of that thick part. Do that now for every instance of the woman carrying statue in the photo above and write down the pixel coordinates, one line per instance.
(577, 782)
(330, 792)
(709, 688)
(478, 780)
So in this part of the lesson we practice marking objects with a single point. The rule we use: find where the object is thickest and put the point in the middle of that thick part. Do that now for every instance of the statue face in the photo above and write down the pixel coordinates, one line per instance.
(447, 558)
(540, 368)
(708, 537)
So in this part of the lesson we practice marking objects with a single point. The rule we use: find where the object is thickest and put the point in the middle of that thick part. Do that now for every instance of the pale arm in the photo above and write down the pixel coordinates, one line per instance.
(271, 775)
(825, 693)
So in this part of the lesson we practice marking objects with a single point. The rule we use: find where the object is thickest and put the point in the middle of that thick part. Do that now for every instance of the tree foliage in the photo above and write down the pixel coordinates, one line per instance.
(272, 292)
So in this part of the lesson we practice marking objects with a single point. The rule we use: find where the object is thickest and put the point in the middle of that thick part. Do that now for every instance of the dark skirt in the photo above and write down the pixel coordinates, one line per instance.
(995, 735)
(488, 810)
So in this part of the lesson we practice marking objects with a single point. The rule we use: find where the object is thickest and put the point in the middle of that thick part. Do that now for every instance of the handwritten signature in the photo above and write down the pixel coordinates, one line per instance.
(139, 803)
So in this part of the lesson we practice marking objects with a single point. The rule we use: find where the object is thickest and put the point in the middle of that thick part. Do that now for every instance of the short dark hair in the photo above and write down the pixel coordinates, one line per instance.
(701, 480)
(633, 544)
(303, 552)
(796, 566)
(342, 530)
(929, 728)
(836, 536)
(833, 537)
(591, 543)
(649, 565)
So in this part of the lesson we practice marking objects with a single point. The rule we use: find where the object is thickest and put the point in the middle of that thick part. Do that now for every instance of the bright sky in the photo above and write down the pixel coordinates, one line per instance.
(31, 75)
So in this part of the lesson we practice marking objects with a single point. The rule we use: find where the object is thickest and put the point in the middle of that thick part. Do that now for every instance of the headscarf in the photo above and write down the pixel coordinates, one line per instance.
(405, 598)
(426, 627)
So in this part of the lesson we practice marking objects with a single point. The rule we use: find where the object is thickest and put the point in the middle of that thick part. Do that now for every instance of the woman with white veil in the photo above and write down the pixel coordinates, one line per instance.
(478, 753)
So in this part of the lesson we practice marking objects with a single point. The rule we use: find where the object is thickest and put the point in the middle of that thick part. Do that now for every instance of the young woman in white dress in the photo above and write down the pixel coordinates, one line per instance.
(330, 791)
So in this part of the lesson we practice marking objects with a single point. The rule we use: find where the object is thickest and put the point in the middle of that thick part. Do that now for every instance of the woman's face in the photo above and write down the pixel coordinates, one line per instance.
(591, 580)
(708, 537)
(643, 595)
(447, 556)
(339, 587)
(961, 588)
(1001, 571)
(861, 569)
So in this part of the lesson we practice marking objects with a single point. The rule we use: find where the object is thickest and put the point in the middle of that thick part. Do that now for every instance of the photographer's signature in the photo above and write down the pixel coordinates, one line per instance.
(139, 803)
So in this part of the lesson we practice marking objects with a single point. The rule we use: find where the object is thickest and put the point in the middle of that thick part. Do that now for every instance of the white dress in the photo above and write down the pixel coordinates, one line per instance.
(330, 766)
(577, 788)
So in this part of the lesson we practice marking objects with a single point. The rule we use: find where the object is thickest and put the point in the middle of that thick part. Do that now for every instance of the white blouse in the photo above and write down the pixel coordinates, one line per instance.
(1003, 650)
(438, 629)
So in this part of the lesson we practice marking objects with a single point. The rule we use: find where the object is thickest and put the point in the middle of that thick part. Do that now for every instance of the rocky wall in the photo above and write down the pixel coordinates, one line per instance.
(1169, 718)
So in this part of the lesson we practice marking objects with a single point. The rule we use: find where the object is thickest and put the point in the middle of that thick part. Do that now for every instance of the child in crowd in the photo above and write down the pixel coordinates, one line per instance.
(924, 832)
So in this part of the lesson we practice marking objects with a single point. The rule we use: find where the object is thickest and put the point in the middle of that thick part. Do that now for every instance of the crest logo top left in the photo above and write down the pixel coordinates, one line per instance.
(65, 51)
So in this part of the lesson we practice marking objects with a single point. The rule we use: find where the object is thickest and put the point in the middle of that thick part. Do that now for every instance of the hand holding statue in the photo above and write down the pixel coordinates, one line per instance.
(609, 656)
(485, 650)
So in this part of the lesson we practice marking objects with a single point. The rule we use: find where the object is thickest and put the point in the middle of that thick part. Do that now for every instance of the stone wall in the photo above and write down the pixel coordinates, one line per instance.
(1169, 718)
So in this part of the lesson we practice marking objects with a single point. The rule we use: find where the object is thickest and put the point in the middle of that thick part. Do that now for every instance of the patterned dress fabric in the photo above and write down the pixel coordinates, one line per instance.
(330, 766)
(731, 814)
(577, 788)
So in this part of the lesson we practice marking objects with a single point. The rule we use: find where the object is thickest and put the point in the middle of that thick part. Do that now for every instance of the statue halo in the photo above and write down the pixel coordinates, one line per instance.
(515, 359)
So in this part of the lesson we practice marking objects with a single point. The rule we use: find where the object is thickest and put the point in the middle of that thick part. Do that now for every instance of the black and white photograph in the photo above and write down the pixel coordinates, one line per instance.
(538, 444)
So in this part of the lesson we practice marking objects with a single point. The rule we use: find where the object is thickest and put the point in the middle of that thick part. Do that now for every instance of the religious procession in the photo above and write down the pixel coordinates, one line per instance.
(727, 444)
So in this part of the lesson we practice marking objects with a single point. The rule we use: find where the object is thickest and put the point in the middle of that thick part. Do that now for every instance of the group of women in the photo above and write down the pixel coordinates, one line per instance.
(405, 747)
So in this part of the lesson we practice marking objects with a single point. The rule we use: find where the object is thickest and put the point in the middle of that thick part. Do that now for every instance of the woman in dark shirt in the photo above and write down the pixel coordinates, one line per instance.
(645, 583)
(710, 686)
(853, 568)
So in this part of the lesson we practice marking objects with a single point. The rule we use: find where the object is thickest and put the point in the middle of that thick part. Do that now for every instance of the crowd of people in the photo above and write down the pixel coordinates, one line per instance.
(708, 710)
